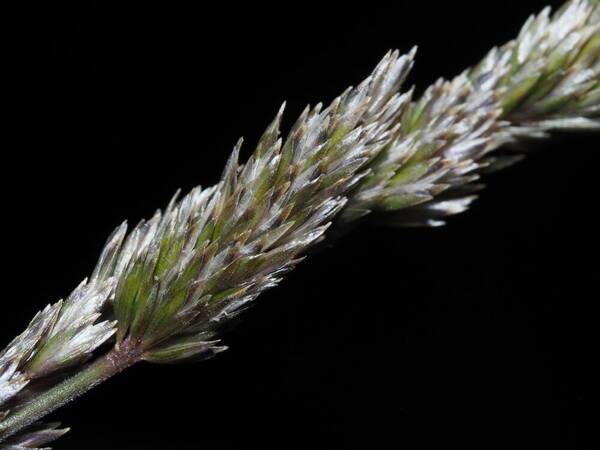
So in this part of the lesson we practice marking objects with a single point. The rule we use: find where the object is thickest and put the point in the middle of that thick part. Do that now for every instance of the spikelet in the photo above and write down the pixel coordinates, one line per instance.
(34, 437)
(65, 333)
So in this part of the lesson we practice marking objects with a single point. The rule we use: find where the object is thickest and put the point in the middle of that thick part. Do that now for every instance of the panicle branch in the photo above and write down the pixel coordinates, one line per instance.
(166, 291)
(205, 258)
(548, 78)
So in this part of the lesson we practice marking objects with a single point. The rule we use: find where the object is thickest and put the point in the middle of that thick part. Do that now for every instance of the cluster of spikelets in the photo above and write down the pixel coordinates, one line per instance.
(165, 291)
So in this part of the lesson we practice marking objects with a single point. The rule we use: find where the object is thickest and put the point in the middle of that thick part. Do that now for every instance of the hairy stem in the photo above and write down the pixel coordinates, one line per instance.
(100, 370)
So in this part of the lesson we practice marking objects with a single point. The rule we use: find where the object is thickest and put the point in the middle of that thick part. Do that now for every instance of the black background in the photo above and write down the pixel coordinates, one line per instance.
(475, 335)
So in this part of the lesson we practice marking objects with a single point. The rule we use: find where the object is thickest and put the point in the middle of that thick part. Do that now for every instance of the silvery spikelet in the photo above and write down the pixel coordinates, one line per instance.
(166, 290)
(35, 436)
